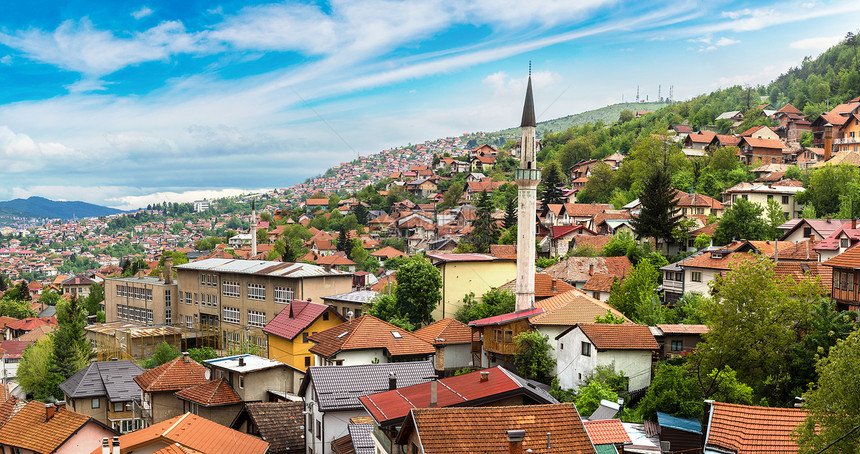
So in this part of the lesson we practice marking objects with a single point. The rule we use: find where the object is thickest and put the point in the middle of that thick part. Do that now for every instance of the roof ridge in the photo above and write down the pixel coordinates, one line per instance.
(181, 418)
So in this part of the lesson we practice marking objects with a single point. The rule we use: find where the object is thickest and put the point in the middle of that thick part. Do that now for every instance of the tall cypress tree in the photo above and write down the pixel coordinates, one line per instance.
(484, 230)
(551, 182)
(659, 214)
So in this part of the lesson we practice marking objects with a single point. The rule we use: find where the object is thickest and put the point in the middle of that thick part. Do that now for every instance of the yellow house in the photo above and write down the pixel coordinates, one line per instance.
(288, 332)
(469, 273)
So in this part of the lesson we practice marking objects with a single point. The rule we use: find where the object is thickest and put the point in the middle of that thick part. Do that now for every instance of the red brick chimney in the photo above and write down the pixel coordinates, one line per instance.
(49, 411)
(515, 441)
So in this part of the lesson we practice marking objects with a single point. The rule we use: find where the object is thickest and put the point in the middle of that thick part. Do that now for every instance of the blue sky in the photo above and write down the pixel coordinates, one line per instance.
(125, 103)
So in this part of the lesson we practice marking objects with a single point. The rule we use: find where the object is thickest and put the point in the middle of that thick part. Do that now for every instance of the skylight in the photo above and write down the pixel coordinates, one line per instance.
(342, 334)
(396, 334)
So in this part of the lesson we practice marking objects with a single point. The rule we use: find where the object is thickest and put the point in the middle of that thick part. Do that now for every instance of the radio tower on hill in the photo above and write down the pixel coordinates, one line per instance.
(527, 177)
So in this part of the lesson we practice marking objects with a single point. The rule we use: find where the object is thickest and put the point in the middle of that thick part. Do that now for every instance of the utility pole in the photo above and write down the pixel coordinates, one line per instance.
(637, 93)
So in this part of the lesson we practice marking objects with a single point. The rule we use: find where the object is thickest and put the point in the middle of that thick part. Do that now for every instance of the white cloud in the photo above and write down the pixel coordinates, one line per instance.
(142, 12)
(725, 42)
(87, 85)
(817, 43)
(766, 74)
(21, 153)
(6, 60)
(141, 201)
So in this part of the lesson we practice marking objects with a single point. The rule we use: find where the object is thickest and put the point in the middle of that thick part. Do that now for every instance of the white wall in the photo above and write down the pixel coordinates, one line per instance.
(458, 356)
(573, 367)
(636, 365)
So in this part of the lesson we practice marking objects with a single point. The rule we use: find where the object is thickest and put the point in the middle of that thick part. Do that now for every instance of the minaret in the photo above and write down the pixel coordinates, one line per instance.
(528, 177)
(253, 228)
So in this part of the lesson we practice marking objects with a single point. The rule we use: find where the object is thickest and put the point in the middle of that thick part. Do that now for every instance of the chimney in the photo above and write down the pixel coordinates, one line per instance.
(105, 445)
(60, 404)
(241, 361)
(433, 396)
(828, 141)
(115, 449)
(554, 286)
(591, 269)
(392, 381)
(185, 356)
(49, 411)
(853, 223)
(515, 441)
(168, 270)
(485, 375)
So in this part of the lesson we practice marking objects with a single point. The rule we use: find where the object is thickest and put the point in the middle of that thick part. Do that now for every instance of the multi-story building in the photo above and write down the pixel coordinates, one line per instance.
(761, 193)
(146, 300)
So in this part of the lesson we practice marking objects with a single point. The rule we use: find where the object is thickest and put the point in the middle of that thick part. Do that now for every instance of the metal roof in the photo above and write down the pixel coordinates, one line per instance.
(673, 422)
(149, 280)
(261, 268)
(251, 363)
(113, 379)
(359, 296)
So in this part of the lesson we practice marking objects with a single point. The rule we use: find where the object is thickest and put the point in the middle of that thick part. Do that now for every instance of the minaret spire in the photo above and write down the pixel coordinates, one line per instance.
(527, 177)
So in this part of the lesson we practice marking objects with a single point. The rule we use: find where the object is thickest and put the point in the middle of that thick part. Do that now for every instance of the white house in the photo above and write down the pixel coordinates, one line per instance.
(585, 346)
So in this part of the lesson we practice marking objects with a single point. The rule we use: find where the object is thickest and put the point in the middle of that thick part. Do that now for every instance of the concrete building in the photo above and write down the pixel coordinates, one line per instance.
(470, 273)
(105, 391)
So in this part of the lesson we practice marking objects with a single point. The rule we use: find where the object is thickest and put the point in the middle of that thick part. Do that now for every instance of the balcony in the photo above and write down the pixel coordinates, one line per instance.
(846, 140)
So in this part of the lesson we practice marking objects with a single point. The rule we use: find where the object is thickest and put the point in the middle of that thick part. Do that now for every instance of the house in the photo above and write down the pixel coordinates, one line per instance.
(288, 332)
(359, 440)
(18, 328)
(106, 391)
(677, 340)
(550, 317)
(39, 428)
(607, 435)
(582, 168)
(253, 376)
(838, 242)
(627, 347)
(485, 388)
(578, 270)
(386, 253)
(189, 434)
(699, 141)
(761, 193)
(278, 423)
(482, 163)
(159, 385)
(754, 150)
(452, 341)
(679, 434)
(513, 429)
(546, 286)
(846, 279)
(797, 230)
(468, 273)
(731, 428)
(214, 400)
(696, 271)
(367, 340)
(78, 286)
(600, 285)
(561, 236)
(352, 304)
(331, 395)
(735, 116)
(11, 352)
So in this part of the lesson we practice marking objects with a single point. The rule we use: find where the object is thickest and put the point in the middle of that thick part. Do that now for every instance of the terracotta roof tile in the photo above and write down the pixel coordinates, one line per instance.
(172, 376)
(585, 209)
(546, 286)
(807, 270)
(599, 283)
(176, 448)
(683, 329)
(192, 431)
(297, 317)
(619, 337)
(28, 428)
(484, 429)
(571, 308)
(746, 429)
(606, 431)
(445, 332)
(213, 393)
(368, 332)
(387, 252)
(580, 269)
(596, 242)
(705, 260)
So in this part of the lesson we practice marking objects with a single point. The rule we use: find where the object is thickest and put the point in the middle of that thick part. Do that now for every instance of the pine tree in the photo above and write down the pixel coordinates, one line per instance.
(551, 184)
(484, 229)
(72, 351)
(342, 242)
(511, 213)
(659, 215)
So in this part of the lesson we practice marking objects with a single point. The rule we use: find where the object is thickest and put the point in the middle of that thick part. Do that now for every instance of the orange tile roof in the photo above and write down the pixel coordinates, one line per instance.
(848, 259)
(177, 448)
(807, 270)
(546, 286)
(387, 252)
(483, 429)
(724, 263)
(172, 376)
(28, 428)
(606, 431)
(213, 393)
(788, 108)
(763, 143)
(683, 329)
(596, 242)
(571, 308)
(367, 332)
(619, 337)
(444, 332)
(600, 283)
(746, 429)
(193, 432)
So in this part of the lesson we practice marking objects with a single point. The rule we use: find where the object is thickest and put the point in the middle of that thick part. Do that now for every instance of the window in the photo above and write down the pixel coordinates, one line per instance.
(241, 382)
(697, 276)
(168, 317)
(679, 276)
(677, 346)
(319, 431)
(230, 288)
(807, 232)
(509, 337)
(770, 197)
(167, 298)
(844, 243)
(415, 448)
(256, 318)
(304, 338)
(745, 196)
(307, 361)
(256, 291)
(118, 406)
(231, 314)
(586, 349)
(595, 295)
(196, 299)
(96, 403)
(785, 200)
(498, 335)
(283, 294)
(188, 322)
(669, 276)
(187, 297)
(325, 315)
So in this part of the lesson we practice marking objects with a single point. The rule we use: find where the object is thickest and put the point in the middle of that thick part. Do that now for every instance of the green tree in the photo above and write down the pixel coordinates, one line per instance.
(418, 289)
(551, 184)
(533, 358)
(262, 236)
(589, 396)
(625, 116)
(484, 230)
(609, 318)
(636, 292)
(12, 307)
(72, 351)
(35, 371)
(93, 301)
(511, 214)
(742, 220)
(494, 302)
(659, 215)
(50, 297)
(202, 353)
(451, 197)
(163, 354)
(775, 217)
(385, 308)
(833, 403)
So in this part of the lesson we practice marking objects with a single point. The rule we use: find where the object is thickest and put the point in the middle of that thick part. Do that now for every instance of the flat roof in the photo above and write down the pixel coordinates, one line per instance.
(149, 280)
(261, 268)
(251, 363)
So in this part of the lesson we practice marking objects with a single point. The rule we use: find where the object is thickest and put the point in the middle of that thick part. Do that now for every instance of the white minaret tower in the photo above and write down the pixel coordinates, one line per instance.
(528, 177)
(253, 228)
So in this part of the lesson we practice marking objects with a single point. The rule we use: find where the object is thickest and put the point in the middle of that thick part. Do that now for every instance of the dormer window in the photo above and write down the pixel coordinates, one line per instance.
(844, 243)
(716, 255)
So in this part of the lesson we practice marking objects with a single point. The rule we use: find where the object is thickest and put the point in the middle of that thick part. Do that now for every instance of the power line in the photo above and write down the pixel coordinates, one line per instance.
(838, 439)
(324, 121)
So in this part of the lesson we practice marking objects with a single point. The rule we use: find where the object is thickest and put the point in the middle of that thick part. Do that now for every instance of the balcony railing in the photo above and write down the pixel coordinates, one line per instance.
(846, 140)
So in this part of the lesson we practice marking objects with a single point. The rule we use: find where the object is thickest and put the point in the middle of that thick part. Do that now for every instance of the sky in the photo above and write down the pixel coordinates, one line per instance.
(125, 103)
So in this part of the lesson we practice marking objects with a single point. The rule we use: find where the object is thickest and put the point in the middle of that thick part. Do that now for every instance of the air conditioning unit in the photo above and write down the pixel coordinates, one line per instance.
(665, 446)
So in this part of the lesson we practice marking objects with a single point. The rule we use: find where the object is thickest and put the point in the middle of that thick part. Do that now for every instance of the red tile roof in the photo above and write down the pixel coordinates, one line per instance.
(546, 286)
(193, 432)
(606, 431)
(29, 323)
(683, 329)
(483, 429)
(297, 317)
(807, 270)
(445, 332)
(619, 337)
(213, 393)
(600, 283)
(387, 252)
(368, 332)
(571, 308)
(788, 108)
(172, 376)
(763, 143)
(505, 318)
(14, 348)
(724, 263)
(746, 429)
(28, 428)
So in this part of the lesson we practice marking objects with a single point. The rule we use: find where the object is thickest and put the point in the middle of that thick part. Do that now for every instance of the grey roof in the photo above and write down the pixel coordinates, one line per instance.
(536, 387)
(339, 387)
(606, 410)
(113, 379)
(529, 107)
(151, 280)
(359, 296)
(362, 438)
(48, 311)
(279, 424)
(261, 268)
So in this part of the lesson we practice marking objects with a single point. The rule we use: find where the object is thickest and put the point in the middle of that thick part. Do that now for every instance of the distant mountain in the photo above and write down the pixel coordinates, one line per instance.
(607, 114)
(40, 207)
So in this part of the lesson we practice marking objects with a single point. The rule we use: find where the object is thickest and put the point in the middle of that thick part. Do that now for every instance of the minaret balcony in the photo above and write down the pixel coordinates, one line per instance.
(527, 174)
